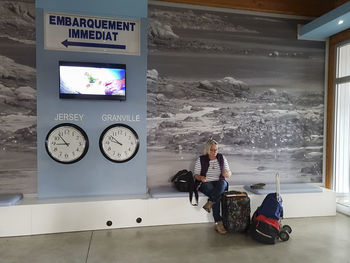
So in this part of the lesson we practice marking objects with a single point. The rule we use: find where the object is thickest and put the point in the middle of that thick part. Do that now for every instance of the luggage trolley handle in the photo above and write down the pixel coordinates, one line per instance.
(278, 187)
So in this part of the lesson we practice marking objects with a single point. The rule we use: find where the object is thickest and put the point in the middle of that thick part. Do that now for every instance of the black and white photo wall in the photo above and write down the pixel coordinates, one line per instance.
(242, 78)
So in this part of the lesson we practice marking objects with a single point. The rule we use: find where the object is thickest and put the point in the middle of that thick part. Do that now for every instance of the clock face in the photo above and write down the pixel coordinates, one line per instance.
(119, 143)
(66, 143)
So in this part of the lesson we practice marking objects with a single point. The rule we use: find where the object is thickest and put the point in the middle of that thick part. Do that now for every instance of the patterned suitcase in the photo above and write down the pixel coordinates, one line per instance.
(235, 208)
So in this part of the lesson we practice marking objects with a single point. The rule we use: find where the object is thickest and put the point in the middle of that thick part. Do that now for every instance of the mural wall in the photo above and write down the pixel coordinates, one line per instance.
(244, 79)
(18, 167)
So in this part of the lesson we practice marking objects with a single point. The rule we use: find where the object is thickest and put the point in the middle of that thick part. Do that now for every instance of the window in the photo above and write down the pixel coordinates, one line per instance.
(341, 150)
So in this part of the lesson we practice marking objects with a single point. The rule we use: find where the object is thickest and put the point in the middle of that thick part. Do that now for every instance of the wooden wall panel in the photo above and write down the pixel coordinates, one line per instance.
(312, 8)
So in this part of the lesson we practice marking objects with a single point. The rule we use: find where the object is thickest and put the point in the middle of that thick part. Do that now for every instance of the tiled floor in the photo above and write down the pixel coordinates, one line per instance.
(318, 239)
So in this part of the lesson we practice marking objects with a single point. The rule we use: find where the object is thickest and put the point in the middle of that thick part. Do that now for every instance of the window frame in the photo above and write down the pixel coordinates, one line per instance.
(334, 42)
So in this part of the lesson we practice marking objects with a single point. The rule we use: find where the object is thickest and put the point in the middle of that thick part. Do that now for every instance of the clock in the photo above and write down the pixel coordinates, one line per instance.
(66, 143)
(119, 143)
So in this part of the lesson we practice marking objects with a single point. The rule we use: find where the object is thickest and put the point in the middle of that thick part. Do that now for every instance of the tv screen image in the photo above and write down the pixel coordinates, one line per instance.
(83, 80)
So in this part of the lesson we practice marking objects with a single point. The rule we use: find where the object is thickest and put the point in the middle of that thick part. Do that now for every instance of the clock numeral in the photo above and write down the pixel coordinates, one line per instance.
(66, 155)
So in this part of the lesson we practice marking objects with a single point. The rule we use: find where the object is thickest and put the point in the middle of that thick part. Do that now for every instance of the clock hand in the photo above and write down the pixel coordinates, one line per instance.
(115, 140)
(63, 140)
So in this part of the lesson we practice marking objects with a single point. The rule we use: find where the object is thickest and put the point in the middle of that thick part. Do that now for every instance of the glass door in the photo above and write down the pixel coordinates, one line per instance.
(341, 151)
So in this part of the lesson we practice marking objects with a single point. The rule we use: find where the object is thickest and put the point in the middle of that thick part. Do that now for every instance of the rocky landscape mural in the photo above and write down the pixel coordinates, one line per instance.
(244, 80)
(18, 168)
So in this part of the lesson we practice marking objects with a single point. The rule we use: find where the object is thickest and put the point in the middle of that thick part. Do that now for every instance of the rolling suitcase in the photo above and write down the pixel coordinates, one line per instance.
(235, 208)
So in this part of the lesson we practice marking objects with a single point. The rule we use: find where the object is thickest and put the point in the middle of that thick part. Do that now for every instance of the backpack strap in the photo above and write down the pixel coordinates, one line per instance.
(192, 189)
(195, 191)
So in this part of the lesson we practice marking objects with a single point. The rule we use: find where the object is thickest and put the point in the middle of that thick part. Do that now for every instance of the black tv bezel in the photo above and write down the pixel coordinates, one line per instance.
(90, 96)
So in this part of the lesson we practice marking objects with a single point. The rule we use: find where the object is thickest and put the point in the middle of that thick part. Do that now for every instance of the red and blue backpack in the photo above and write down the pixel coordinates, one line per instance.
(265, 225)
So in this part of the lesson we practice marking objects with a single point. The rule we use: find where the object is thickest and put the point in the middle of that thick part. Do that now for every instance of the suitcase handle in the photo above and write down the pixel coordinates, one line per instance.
(230, 195)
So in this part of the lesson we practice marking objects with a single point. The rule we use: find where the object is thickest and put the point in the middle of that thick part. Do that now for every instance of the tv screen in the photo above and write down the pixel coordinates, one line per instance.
(83, 80)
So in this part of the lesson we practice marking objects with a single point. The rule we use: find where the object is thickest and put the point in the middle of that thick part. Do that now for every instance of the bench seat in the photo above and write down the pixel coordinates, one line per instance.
(168, 192)
(285, 189)
(10, 199)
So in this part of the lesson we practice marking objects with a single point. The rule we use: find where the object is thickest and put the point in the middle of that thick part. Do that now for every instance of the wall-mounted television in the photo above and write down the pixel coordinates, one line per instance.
(86, 80)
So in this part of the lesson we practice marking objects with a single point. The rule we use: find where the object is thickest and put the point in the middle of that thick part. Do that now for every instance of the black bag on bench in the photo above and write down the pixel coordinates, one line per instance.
(184, 182)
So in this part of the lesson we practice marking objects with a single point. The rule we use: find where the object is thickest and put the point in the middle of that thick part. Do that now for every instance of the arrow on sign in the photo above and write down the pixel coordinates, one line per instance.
(67, 43)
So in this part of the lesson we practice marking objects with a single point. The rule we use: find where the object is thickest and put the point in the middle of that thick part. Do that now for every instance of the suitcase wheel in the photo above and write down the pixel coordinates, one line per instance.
(287, 228)
(283, 235)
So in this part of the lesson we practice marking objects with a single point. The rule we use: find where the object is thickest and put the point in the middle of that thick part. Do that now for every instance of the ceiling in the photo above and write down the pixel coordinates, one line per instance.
(320, 28)
(327, 25)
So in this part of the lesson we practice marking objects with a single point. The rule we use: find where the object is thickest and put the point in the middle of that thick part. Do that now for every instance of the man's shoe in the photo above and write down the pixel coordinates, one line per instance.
(207, 207)
(220, 228)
